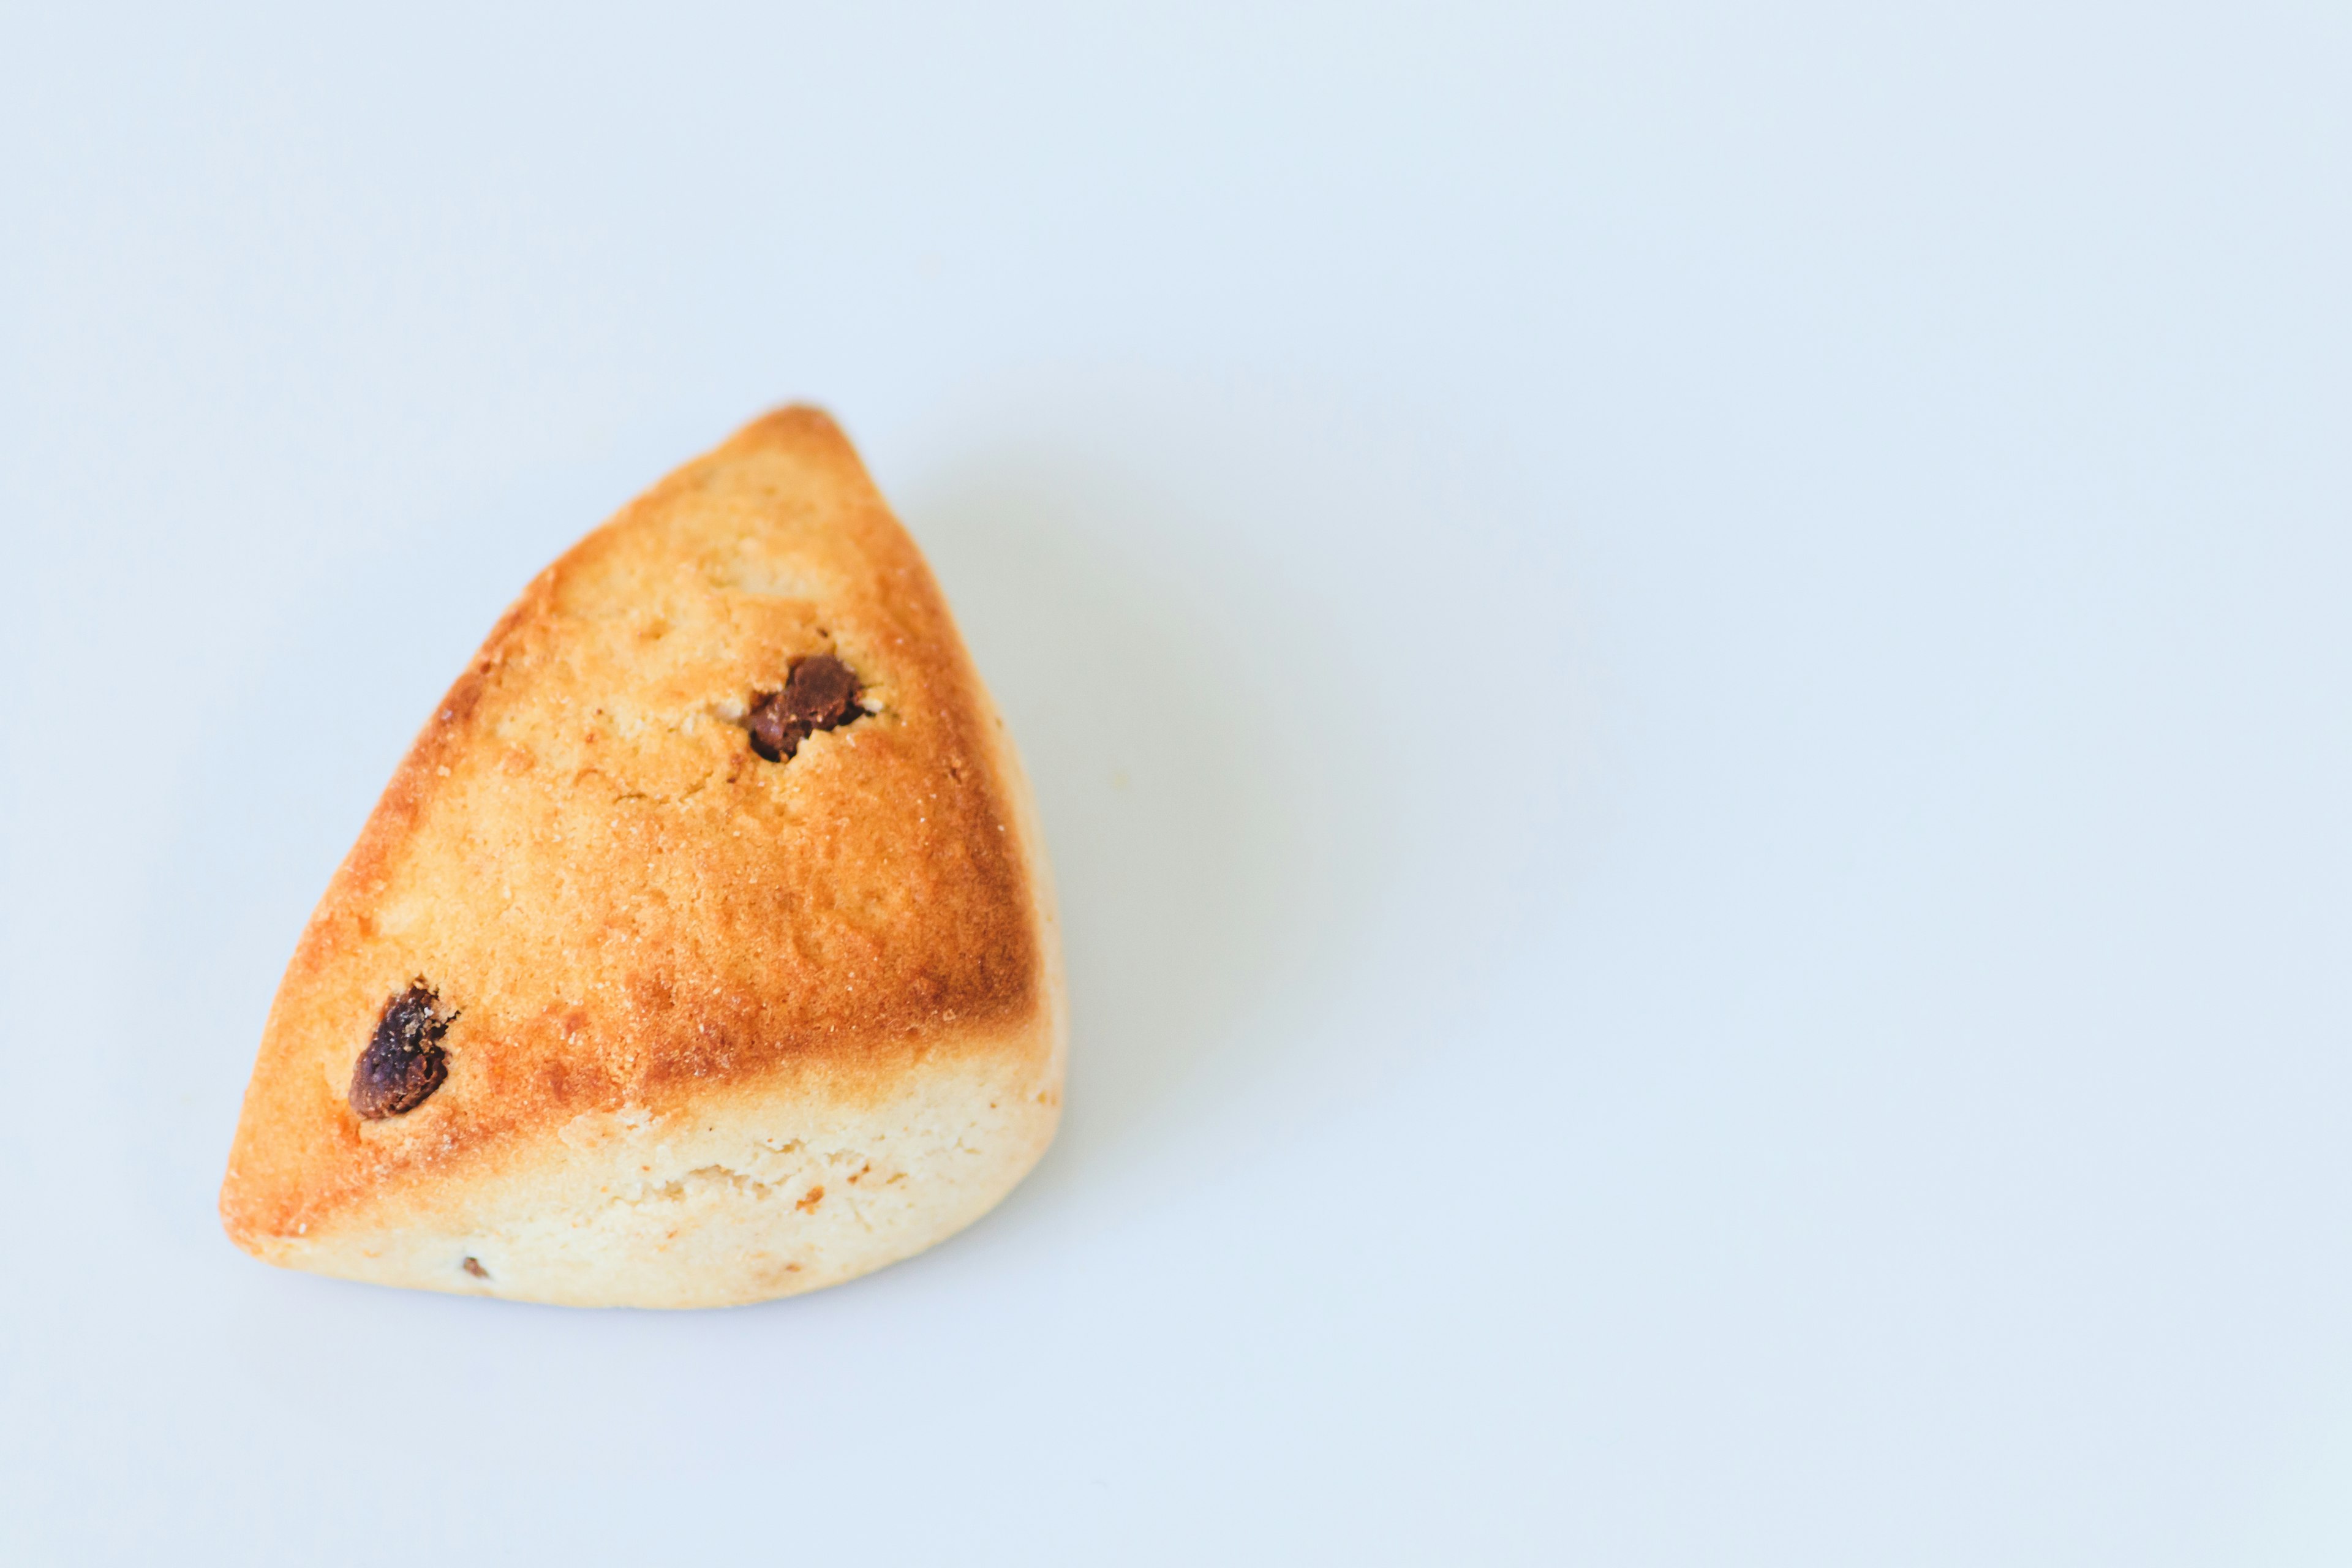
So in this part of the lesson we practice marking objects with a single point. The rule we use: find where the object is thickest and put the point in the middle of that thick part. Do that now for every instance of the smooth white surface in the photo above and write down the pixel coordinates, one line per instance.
(1687, 667)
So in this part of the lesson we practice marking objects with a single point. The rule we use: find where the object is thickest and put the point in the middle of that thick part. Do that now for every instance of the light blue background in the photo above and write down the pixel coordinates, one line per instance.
(1688, 671)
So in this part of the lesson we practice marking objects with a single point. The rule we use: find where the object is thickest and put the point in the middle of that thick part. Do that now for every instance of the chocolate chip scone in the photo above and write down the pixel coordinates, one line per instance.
(701, 950)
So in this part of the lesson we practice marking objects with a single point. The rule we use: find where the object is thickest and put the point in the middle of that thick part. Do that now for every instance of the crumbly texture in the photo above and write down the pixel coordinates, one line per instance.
(722, 1027)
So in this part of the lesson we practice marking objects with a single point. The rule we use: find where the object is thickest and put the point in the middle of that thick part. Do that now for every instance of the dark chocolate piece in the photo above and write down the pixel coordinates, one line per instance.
(473, 1266)
(820, 693)
(404, 1063)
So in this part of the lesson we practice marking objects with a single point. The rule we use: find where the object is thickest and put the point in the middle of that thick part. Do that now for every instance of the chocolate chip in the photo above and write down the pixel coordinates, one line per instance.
(404, 1063)
(820, 693)
(473, 1266)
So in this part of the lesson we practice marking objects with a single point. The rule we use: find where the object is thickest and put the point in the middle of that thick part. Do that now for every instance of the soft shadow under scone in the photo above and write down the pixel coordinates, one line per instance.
(636, 1014)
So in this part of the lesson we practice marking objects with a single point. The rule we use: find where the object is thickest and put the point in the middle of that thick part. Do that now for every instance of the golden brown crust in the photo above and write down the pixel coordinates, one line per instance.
(624, 904)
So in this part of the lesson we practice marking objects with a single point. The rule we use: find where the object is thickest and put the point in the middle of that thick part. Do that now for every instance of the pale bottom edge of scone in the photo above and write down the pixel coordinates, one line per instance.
(752, 1196)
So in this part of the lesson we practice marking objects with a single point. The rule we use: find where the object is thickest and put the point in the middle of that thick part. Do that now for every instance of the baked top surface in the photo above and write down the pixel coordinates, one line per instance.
(623, 902)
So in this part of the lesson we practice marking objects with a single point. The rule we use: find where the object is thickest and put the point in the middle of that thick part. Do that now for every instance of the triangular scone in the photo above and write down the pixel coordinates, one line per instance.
(702, 949)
